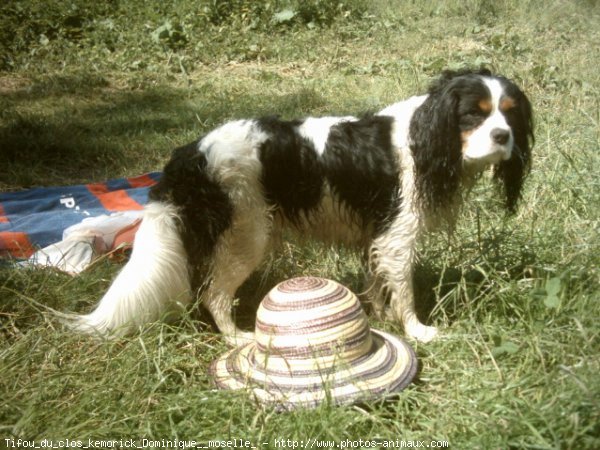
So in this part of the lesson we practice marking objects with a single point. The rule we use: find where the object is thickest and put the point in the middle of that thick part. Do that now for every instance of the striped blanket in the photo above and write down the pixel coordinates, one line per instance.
(34, 219)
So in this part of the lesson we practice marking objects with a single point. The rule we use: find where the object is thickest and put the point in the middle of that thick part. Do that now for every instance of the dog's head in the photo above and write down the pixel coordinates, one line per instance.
(471, 120)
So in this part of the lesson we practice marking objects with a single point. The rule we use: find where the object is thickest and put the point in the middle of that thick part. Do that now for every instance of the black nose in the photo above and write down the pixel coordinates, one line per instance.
(500, 136)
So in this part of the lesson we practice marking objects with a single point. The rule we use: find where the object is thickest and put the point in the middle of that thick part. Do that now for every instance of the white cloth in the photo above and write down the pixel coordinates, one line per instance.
(84, 242)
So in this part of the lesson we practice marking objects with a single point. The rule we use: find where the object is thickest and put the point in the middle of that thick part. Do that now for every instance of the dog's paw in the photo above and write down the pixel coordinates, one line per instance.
(422, 333)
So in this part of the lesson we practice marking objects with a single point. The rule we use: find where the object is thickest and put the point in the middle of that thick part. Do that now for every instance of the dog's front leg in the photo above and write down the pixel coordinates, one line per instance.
(393, 256)
(402, 307)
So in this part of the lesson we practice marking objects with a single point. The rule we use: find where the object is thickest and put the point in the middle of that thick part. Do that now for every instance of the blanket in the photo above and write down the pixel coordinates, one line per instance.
(43, 225)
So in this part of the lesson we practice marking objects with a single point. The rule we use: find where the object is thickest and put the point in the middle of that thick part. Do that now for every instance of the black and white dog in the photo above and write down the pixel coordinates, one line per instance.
(374, 182)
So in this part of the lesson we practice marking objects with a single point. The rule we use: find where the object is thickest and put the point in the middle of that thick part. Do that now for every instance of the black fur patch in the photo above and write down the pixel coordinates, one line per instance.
(292, 175)
(362, 168)
(205, 209)
(359, 163)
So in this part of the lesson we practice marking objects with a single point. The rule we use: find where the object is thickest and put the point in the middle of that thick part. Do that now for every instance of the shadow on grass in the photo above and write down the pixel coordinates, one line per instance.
(439, 290)
(55, 135)
(76, 128)
(498, 255)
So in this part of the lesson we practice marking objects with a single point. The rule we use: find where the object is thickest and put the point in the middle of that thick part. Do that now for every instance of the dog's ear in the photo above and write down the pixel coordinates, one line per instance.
(511, 173)
(436, 144)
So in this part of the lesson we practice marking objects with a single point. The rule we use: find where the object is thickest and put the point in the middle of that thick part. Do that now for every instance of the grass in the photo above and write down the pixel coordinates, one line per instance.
(93, 92)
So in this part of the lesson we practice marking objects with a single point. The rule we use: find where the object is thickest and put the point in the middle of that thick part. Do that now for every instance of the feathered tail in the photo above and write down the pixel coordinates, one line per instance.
(153, 283)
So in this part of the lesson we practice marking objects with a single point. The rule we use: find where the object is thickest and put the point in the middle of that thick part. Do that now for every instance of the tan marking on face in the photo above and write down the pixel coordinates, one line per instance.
(485, 104)
(507, 103)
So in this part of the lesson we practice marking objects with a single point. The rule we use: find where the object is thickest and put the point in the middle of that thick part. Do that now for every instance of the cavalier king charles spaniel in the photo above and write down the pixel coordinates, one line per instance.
(373, 182)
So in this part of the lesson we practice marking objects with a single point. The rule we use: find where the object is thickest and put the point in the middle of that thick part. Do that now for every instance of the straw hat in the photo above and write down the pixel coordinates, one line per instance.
(312, 343)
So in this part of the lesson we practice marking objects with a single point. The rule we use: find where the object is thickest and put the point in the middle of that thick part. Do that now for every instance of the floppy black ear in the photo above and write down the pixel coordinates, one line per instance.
(512, 173)
(436, 144)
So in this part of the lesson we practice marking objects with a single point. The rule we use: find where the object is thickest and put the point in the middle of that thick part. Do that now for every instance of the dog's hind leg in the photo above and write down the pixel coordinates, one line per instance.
(239, 252)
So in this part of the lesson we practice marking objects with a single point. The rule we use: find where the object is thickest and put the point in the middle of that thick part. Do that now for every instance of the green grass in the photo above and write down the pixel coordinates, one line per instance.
(92, 92)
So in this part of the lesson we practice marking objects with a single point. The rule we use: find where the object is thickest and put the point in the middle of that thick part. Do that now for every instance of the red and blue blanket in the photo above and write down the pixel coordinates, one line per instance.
(36, 218)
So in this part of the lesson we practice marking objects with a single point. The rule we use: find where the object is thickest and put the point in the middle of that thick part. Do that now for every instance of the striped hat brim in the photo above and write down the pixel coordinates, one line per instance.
(387, 368)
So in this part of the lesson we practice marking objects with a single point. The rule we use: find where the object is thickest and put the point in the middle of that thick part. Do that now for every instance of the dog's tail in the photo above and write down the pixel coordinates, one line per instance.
(153, 283)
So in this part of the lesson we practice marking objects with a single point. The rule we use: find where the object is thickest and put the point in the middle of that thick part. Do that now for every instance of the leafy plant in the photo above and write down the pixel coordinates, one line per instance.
(170, 35)
(549, 294)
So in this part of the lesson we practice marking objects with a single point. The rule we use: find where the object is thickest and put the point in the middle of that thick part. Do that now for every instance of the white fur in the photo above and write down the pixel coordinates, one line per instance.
(479, 147)
(317, 130)
(234, 142)
(153, 283)
(403, 112)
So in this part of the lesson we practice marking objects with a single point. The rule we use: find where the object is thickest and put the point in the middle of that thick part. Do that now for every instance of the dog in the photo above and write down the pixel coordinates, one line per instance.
(375, 182)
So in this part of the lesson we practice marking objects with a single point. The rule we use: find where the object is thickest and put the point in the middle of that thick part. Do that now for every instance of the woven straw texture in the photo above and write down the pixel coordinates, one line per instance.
(313, 343)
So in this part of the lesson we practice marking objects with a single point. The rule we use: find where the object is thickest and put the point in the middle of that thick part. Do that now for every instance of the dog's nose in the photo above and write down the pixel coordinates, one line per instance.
(500, 136)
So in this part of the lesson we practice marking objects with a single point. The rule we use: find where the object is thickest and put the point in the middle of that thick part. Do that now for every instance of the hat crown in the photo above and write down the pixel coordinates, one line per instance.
(308, 323)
